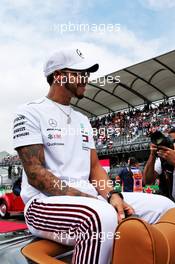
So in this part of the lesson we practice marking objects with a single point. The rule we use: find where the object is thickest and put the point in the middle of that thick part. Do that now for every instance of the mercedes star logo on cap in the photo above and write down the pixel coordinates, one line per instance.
(80, 53)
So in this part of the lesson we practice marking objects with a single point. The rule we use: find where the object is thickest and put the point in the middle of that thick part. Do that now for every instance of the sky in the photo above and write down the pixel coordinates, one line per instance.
(114, 33)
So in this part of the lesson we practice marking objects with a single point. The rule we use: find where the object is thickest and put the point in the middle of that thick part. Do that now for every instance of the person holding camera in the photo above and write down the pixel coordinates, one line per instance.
(161, 164)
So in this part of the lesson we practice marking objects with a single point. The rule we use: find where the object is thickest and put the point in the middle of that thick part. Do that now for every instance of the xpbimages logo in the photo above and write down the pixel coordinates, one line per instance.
(83, 184)
(102, 236)
(85, 27)
(78, 77)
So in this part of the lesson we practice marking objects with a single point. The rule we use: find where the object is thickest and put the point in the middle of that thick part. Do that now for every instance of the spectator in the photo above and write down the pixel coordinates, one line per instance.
(126, 174)
(162, 166)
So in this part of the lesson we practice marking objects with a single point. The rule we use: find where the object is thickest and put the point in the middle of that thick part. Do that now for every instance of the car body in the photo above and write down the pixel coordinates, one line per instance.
(10, 204)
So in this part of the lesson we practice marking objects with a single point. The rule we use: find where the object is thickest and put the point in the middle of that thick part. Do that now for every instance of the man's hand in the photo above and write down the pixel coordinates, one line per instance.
(153, 149)
(167, 154)
(149, 174)
(121, 206)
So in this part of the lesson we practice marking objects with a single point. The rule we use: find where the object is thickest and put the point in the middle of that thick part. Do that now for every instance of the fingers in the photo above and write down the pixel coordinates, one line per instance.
(167, 154)
(163, 155)
(163, 148)
(122, 208)
(153, 148)
(117, 202)
(164, 152)
(129, 210)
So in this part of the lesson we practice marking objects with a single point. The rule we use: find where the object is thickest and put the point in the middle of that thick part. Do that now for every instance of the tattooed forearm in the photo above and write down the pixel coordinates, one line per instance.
(32, 155)
(48, 183)
(33, 161)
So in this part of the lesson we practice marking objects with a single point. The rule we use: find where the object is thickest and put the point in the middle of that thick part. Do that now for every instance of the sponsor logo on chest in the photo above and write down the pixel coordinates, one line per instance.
(85, 137)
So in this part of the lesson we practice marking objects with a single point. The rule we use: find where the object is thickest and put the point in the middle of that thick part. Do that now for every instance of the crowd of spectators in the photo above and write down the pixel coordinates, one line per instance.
(127, 125)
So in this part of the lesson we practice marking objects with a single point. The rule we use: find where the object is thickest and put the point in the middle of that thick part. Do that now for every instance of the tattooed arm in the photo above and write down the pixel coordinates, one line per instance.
(33, 161)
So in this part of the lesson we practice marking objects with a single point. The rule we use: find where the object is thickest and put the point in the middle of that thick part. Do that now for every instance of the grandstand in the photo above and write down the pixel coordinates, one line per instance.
(143, 100)
(128, 131)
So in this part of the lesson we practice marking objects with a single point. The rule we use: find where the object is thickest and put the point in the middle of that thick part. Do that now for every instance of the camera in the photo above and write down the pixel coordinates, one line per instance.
(166, 178)
(159, 139)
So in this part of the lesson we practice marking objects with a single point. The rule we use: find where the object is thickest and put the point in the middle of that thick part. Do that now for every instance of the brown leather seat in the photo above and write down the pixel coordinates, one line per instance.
(44, 251)
(166, 225)
(140, 243)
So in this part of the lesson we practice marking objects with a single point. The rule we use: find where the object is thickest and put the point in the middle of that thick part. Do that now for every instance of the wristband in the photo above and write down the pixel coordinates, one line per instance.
(109, 195)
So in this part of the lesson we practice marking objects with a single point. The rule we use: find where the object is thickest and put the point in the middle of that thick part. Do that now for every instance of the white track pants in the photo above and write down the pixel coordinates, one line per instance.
(88, 224)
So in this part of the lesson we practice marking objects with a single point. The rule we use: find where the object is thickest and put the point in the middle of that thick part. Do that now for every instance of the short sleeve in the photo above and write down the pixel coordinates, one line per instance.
(157, 166)
(26, 128)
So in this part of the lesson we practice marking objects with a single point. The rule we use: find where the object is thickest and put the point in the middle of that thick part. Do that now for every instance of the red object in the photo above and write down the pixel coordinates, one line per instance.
(14, 203)
(6, 226)
(148, 190)
(105, 163)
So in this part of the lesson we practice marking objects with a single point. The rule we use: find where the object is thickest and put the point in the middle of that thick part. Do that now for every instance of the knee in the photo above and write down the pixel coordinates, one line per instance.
(165, 203)
(108, 217)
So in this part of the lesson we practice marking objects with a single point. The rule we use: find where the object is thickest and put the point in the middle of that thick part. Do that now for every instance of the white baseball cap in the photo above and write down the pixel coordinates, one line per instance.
(72, 59)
